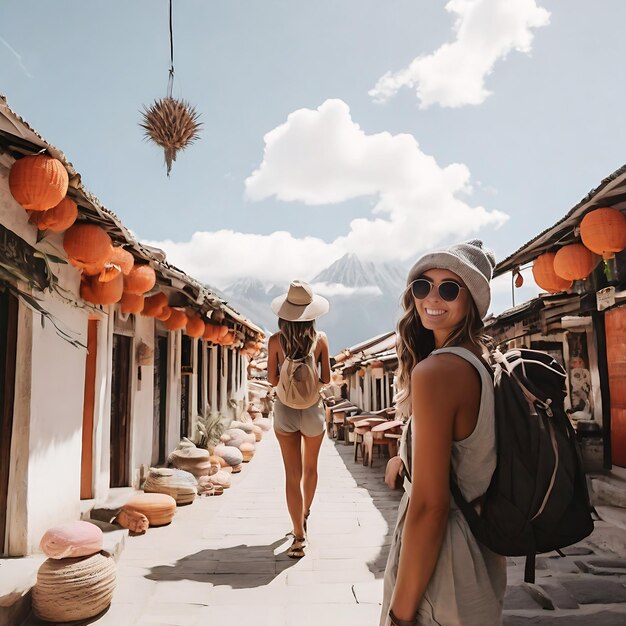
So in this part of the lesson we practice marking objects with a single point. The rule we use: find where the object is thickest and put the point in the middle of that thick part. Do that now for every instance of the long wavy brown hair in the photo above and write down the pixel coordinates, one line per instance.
(296, 338)
(415, 342)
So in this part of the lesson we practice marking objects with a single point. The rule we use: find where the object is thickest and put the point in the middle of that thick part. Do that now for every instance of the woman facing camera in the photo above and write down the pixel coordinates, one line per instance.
(298, 364)
(437, 572)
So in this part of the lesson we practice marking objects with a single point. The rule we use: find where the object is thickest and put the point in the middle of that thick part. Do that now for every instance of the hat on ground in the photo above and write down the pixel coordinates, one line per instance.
(470, 261)
(300, 304)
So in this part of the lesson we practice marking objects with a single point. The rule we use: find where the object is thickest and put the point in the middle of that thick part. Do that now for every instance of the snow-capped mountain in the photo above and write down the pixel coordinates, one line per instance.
(364, 299)
(351, 272)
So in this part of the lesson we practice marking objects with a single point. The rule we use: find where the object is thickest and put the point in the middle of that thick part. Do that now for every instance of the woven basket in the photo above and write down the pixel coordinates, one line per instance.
(159, 508)
(247, 451)
(230, 454)
(74, 589)
(194, 460)
(177, 483)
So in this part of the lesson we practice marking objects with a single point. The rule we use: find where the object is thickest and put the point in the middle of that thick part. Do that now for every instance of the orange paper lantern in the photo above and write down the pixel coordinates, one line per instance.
(38, 182)
(131, 303)
(195, 327)
(177, 320)
(229, 338)
(164, 314)
(153, 305)
(87, 244)
(140, 279)
(123, 259)
(98, 292)
(546, 277)
(603, 231)
(58, 218)
(210, 332)
(573, 262)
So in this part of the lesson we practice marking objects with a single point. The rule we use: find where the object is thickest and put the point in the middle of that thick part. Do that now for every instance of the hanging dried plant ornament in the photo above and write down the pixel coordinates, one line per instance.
(173, 125)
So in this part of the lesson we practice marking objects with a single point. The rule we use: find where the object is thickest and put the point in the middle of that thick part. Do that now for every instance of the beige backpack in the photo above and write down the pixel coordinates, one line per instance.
(299, 382)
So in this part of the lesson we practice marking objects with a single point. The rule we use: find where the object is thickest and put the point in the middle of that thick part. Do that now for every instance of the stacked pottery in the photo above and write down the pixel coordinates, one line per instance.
(191, 459)
(179, 484)
(77, 581)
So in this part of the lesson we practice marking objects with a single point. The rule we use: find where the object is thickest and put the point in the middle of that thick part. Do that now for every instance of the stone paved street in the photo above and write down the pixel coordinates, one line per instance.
(222, 560)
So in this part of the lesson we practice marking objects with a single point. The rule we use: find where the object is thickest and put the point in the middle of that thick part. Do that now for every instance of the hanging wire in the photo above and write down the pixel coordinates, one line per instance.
(170, 80)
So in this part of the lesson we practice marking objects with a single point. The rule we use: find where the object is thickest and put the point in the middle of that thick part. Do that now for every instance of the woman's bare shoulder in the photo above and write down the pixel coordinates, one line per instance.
(273, 340)
(444, 372)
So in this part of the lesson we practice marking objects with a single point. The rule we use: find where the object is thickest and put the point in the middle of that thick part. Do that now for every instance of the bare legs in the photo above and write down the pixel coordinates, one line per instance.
(309, 479)
(300, 456)
(290, 446)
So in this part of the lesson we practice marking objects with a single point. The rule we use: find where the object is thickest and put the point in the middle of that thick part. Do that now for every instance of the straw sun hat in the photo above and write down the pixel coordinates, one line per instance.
(300, 304)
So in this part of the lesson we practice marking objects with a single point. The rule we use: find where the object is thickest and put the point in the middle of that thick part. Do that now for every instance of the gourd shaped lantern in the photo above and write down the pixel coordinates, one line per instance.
(603, 231)
(38, 182)
(546, 277)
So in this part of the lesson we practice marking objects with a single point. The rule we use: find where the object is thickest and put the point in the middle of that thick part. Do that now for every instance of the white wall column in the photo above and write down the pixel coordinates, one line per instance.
(213, 378)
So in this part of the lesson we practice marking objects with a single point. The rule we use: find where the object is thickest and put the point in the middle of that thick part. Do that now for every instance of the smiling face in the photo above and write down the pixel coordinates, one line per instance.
(437, 314)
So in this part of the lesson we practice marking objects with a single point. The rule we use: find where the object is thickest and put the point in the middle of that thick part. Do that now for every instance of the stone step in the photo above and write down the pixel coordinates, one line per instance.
(608, 490)
(17, 577)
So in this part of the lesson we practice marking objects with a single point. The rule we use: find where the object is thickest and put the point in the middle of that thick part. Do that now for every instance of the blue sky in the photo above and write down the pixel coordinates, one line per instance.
(551, 128)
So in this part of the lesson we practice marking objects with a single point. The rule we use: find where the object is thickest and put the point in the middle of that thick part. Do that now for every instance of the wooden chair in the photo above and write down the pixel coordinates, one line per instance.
(339, 413)
(376, 438)
(362, 426)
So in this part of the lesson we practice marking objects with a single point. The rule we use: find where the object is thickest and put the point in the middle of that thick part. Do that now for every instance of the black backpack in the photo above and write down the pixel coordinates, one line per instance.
(537, 500)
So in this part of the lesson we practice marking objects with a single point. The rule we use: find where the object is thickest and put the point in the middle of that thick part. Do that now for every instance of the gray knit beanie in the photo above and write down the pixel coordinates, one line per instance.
(470, 261)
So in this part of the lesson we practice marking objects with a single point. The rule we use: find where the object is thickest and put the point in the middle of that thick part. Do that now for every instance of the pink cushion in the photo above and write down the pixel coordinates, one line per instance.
(72, 539)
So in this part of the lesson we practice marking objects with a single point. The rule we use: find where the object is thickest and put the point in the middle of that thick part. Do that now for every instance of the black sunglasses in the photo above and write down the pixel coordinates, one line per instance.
(448, 290)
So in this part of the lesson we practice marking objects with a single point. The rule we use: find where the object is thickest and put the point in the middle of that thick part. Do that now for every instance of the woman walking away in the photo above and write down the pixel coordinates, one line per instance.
(298, 364)
(437, 573)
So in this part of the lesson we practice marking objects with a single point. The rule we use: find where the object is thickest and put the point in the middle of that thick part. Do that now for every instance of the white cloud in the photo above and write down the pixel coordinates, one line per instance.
(220, 258)
(454, 75)
(333, 290)
(320, 157)
(323, 157)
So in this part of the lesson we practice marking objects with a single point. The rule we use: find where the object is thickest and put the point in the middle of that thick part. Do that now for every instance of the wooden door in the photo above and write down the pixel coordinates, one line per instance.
(186, 401)
(120, 411)
(86, 465)
(615, 328)
(8, 344)
(159, 414)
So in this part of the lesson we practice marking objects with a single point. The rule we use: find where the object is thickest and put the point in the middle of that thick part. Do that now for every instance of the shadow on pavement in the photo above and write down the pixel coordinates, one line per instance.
(384, 499)
(238, 567)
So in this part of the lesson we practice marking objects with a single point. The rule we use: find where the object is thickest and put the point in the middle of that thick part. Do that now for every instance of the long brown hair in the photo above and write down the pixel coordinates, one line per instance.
(414, 343)
(296, 338)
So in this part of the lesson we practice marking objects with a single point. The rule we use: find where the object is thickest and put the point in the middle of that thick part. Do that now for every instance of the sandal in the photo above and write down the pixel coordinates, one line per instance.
(212, 490)
(296, 550)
